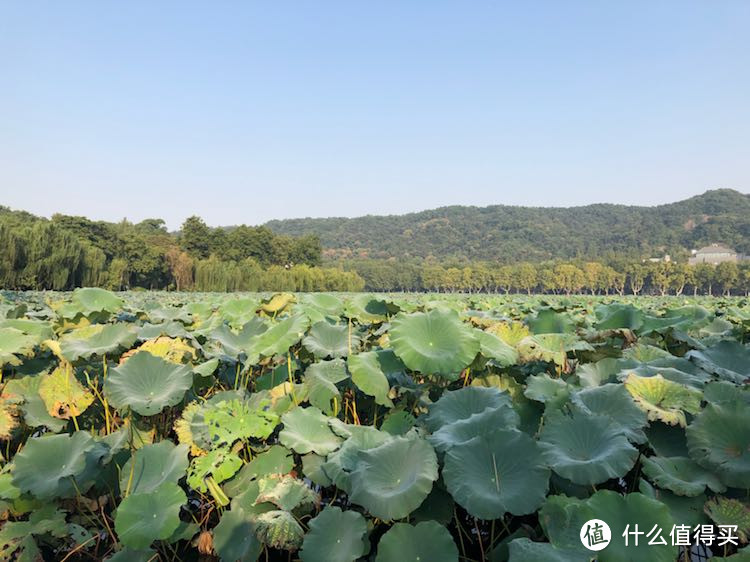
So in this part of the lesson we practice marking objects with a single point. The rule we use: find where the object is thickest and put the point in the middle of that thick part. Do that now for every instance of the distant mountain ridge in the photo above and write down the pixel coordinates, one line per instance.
(511, 233)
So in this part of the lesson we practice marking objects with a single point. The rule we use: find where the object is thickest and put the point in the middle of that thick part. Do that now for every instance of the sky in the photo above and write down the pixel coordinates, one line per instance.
(242, 112)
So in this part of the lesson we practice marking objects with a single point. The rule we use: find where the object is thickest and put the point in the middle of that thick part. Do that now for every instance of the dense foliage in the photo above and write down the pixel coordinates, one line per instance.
(514, 234)
(323, 427)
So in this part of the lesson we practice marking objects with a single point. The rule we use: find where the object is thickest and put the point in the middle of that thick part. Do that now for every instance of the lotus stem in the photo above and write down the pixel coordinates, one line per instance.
(216, 491)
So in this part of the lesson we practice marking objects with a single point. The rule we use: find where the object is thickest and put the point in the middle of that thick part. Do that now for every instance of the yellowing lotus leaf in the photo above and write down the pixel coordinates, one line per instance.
(174, 350)
(62, 394)
(663, 399)
(8, 420)
(510, 332)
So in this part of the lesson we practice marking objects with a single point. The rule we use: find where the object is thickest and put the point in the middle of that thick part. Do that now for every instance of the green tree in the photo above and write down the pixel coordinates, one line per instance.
(195, 237)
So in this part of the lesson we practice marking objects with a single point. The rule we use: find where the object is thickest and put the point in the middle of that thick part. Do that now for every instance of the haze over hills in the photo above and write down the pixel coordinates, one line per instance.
(510, 233)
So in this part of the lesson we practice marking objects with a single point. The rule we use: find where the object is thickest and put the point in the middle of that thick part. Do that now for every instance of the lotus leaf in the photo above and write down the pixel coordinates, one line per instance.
(341, 463)
(680, 475)
(219, 464)
(151, 466)
(551, 348)
(15, 344)
(414, 543)
(545, 389)
(369, 377)
(147, 384)
(96, 340)
(234, 537)
(63, 395)
(277, 460)
(726, 511)
(663, 400)
(398, 422)
(548, 321)
(174, 350)
(730, 360)
(279, 529)
(57, 465)
(492, 347)
(433, 343)
(229, 420)
(143, 518)
(321, 379)
(277, 303)
(287, 493)
(615, 402)
(393, 479)
(281, 336)
(25, 391)
(496, 473)
(89, 300)
(616, 316)
(335, 536)
(8, 419)
(719, 440)
(461, 404)
(686, 510)
(242, 342)
(306, 430)
(488, 421)
(330, 340)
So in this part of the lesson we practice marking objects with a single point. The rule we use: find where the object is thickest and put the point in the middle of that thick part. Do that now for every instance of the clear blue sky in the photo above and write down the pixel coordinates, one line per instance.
(243, 112)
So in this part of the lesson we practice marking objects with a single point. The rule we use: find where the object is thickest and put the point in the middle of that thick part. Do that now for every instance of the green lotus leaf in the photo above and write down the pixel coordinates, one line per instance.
(492, 347)
(726, 511)
(335, 536)
(312, 468)
(719, 440)
(680, 475)
(328, 304)
(277, 460)
(143, 518)
(340, 464)
(488, 421)
(281, 336)
(63, 395)
(306, 430)
(726, 393)
(562, 518)
(219, 464)
(678, 318)
(694, 380)
(330, 340)
(321, 379)
(545, 389)
(644, 353)
(230, 420)
(686, 510)
(279, 529)
(496, 473)
(368, 376)
(438, 507)
(147, 384)
(550, 348)
(132, 555)
(586, 448)
(96, 340)
(425, 541)
(616, 316)
(365, 308)
(398, 422)
(14, 344)
(25, 392)
(392, 480)
(91, 299)
(193, 429)
(57, 465)
(526, 550)
(547, 321)
(615, 402)
(237, 312)
(235, 344)
(728, 359)
(433, 343)
(234, 537)
(207, 369)
(151, 466)
(663, 400)
(462, 404)
(287, 493)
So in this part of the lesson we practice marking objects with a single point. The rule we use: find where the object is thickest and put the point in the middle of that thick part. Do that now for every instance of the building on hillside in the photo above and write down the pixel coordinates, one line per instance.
(666, 258)
(715, 254)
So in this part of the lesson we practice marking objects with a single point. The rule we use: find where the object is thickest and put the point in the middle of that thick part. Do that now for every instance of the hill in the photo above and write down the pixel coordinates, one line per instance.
(511, 233)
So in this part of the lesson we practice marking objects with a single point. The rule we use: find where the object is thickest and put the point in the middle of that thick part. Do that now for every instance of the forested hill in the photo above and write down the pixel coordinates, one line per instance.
(509, 233)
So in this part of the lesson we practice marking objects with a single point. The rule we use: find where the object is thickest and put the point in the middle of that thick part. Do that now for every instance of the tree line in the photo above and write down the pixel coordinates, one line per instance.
(556, 277)
(65, 252)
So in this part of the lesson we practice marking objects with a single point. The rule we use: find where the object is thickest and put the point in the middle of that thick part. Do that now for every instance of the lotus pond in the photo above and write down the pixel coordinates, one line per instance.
(325, 427)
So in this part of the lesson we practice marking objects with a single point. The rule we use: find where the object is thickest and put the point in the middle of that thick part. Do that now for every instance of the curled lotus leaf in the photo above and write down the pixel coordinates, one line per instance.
(545, 389)
(151, 466)
(278, 302)
(719, 440)
(321, 380)
(174, 350)
(143, 518)
(680, 475)
(663, 399)
(57, 465)
(341, 463)
(90, 300)
(279, 529)
(234, 536)
(281, 336)
(330, 340)
(497, 473)
(306, 430)
(456, 405)
(228, 421)
(147, 384)
(427, 540)
(217, 466)
(234, 344)
(728, 359)
(14, 344)
(488, 421)
(492, 347)
(63, 395)
(24, 392)
(615, 402)
(335, 536)
(392, 480)
(287, 493)
(96, 340)
(193, 429)
(586, 449)
(434, 343)
(550, 348)
(277, 461)
(368, 375)
(728, 511)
